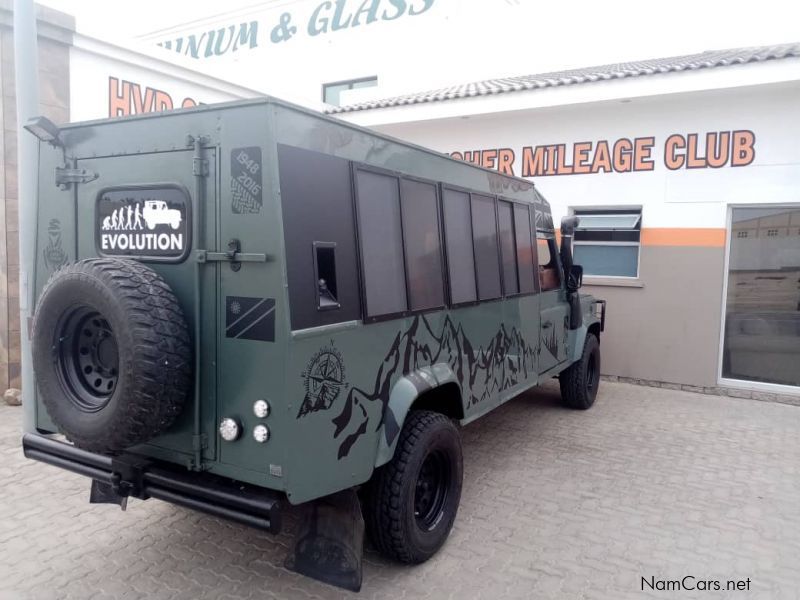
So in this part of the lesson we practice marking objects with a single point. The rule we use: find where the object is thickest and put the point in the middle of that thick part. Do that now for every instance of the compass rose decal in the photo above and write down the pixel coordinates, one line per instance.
(324, 380)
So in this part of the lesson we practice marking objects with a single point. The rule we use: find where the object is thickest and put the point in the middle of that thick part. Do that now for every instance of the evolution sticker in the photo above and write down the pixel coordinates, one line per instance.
(149, 222)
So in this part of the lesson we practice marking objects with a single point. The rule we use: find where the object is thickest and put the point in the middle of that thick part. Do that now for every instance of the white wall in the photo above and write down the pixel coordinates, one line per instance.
(100, 71)
(680, 198)
(437, 43)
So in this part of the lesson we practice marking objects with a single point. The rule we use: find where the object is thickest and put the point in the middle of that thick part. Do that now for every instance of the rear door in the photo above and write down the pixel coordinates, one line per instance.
(141, 206)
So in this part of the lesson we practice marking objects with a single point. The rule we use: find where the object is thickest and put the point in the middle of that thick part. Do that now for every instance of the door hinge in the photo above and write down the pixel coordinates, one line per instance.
(234, 255)
(200, 167)
(66, 176)
(199, 442)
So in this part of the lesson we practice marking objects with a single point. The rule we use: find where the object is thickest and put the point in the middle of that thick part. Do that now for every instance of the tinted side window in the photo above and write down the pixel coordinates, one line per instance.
(508, 249)
(487, 259)
(422, 245)
(522, 228)
(458, 240)
(380, 232)
(318, 208)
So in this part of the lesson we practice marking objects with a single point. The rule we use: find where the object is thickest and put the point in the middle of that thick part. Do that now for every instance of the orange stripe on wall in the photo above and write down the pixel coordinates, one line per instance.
(709, 237)
(683, 236)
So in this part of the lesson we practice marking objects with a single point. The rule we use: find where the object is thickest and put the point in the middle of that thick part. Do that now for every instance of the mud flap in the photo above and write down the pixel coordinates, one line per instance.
(329, 541)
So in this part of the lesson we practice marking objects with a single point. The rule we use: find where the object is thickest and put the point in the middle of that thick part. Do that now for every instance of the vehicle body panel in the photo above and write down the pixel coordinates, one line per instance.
(338, 392)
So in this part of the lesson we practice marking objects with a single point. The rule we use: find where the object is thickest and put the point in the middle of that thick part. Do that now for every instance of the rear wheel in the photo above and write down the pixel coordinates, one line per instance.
(412, 501)
(580, 381)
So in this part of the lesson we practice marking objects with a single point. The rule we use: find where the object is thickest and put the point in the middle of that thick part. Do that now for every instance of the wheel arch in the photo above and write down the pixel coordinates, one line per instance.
(577, 338)
(434, 388)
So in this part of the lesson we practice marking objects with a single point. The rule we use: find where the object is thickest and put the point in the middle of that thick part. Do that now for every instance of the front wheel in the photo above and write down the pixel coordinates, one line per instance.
(580, 381)
(413, 500)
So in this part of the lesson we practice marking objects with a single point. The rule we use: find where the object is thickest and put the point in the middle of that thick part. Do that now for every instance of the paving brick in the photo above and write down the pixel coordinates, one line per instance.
(556, 504)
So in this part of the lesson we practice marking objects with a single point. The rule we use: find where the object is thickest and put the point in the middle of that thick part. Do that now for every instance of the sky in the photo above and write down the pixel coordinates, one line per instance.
(485, 38)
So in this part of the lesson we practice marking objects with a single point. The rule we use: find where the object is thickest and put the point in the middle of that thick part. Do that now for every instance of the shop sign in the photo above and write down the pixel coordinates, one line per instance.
(714, 149)
(326, 18)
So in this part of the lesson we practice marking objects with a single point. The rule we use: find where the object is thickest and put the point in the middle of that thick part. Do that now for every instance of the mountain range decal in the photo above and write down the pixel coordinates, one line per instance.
(504, 361)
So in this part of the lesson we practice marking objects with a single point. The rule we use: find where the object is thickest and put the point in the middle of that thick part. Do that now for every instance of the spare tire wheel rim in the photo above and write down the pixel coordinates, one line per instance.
(432, 489)
(88, 358)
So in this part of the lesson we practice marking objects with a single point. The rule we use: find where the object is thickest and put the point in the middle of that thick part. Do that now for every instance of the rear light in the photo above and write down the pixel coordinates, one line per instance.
(261, 433)
(229, 429)
(261, 409)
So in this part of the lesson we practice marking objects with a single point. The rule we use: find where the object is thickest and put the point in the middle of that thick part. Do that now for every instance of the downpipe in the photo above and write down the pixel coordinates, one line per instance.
(27, 86)
(572, 274)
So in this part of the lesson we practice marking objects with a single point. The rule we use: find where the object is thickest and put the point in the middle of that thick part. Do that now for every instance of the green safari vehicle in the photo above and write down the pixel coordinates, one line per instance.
(244, 305)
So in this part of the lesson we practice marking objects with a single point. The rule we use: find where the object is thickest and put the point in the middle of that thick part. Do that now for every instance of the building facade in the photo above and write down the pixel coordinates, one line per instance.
(684, 170)
(686, 175)
(55, 32)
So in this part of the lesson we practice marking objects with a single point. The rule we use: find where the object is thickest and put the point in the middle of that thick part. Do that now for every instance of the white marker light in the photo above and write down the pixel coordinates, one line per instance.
(229, 429)
(260, 433)
(261, 409)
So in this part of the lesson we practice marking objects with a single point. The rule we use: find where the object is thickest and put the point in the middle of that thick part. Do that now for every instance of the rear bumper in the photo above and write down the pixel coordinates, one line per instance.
(144, 478)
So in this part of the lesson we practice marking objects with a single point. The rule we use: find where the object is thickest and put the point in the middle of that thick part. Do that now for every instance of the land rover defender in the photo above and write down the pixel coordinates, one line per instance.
(249, 304)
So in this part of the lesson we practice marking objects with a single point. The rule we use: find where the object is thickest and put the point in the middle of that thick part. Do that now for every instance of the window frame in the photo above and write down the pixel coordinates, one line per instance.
(604, 209)
(304, 314)
(440, 189)
(317, 245)
(555, 258)
(534, 249)
(349, 83)
(445, 254)
(365, 316)
(439, 227)
(493, 198)
(398, 177)
(461, 190)
(721, 380)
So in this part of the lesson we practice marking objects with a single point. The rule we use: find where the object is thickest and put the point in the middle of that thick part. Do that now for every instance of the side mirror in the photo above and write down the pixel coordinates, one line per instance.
(575, 278)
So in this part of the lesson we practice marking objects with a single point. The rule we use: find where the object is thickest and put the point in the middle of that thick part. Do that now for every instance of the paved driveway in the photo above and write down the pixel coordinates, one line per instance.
(650, 483)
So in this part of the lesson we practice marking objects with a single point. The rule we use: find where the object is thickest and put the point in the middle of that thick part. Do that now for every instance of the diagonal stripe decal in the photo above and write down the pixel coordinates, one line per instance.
(256, 322)
(248, 318)
(229, 327)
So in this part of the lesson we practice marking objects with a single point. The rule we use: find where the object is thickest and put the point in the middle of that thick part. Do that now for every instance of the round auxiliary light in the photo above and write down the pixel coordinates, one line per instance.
(229, 429)
(261, 409)
(260, 433)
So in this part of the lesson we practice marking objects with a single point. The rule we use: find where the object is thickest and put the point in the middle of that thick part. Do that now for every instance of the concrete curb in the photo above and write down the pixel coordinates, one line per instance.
(711, 391)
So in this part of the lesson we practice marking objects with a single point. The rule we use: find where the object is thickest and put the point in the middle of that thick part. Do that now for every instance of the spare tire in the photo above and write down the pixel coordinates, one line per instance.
(111, 353)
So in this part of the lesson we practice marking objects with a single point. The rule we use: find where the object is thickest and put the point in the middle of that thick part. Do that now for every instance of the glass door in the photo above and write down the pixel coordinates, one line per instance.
(761, 336)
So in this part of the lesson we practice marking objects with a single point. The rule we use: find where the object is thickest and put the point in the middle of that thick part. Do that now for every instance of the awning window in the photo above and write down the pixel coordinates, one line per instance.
(608, 222)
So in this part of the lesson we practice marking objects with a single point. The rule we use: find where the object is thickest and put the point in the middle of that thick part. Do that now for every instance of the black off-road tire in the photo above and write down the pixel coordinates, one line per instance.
(136, 348)
(391, 518)
(580, 381)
